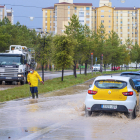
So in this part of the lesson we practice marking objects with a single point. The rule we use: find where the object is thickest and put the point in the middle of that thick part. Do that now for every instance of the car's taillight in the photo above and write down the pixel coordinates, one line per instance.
(128, 93)
(92, 92)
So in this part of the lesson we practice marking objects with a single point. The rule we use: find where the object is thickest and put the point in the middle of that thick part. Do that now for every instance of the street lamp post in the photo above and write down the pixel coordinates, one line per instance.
(43, 59)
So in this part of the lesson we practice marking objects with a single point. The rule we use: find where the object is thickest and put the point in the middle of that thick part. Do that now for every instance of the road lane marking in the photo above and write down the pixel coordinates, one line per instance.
(41, 132)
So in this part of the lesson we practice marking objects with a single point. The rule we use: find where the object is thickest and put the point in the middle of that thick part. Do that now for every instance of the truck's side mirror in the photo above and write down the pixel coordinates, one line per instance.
(25, 61)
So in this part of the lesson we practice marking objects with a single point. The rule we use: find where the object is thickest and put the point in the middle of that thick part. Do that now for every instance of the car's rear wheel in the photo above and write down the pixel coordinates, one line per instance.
(133, 114)
(87, 113)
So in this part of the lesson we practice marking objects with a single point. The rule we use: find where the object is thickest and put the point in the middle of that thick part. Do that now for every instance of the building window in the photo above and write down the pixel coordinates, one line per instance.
(120, 27)
(75, 8)
(109, 10)
(109, 32)
(81, 9)
(102, 10)
(87, 19)
(45, 26)
(117, 22)
(68, 7)
(50, 11)
(102, 15)
(46, 11)
(54, 27)
(50, 21)
(116, 27)
(102, 21)
(121, 17)
(128, 12)
(121, 22)
(87, 8)
(117, 17)
(109, 26)
(121, 32)
(109, 21)
(81, 14)
(128, 22)
(45, 21)
(102, 26)
(68, 18)
(128, 27)
(128, 32)
(75, 13)
(68, 12)
(109, 16)
(87, 14)
(81, 20)
(87, 24)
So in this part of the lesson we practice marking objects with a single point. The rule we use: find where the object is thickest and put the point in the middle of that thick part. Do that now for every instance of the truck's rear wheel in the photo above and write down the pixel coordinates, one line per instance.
(24, 81)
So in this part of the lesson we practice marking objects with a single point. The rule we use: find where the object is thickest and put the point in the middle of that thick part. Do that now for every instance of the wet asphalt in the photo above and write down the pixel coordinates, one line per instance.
(62, 118)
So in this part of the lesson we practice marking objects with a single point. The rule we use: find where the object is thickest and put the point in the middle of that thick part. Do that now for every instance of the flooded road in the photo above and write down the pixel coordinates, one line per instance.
(63, 118)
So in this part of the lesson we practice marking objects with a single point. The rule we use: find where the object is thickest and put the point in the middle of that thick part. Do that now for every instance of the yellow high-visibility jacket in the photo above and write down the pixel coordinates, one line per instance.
(33, 79)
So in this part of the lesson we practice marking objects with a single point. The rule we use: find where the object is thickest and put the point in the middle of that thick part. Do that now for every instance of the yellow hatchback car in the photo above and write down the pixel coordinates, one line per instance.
(112, 94)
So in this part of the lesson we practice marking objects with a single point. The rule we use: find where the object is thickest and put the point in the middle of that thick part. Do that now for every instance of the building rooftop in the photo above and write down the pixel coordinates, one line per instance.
(1, 6)
(80, 4)
(49, 7)
(83, 4)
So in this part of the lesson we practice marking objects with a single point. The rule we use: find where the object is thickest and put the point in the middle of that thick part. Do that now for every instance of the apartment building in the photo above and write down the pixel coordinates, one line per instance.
(6, 13)
(123, 20)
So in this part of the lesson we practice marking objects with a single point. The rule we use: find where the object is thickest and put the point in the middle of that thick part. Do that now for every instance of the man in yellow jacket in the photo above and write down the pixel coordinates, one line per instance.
(32, 79)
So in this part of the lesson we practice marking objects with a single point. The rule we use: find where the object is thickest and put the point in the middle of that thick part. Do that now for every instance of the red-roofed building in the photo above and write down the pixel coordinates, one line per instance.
(123, 20)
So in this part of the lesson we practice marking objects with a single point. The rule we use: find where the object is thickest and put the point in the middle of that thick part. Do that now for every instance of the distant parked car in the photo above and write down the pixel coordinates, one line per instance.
(116, 68)
(135, 76)
(96, 67)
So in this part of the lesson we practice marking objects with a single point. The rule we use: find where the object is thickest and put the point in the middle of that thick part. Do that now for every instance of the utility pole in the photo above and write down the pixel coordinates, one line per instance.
(92, 62)
(101, 66)
(43, 61)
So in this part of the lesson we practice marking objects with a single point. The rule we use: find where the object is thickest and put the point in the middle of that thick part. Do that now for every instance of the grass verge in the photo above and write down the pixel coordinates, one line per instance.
(50, 85)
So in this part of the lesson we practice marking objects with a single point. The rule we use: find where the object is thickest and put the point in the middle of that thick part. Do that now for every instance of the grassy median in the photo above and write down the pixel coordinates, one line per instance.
(50, 85)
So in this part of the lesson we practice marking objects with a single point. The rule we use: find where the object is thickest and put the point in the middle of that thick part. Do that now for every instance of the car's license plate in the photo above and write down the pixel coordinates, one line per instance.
(109, 106)
(8, 77)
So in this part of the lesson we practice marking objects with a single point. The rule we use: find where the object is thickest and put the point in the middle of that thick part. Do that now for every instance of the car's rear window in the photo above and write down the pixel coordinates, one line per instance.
(131, 75)
(108, 84)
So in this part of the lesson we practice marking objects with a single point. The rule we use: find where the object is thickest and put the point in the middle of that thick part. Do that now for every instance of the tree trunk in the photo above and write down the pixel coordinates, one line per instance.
(43, 72)
(105, 67)
(62, 74)
(74, 69)
(80, 68)
(50, 67)
(86, 68)
(136, 65)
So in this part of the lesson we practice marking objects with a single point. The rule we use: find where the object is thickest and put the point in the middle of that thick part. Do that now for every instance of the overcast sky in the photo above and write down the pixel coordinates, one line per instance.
(23, 9)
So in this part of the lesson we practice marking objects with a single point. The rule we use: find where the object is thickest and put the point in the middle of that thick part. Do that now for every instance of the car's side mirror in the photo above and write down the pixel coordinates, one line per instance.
(25, 61)
(90, 86)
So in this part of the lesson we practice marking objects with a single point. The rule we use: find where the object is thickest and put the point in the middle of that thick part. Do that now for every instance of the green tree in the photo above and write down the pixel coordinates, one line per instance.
(63, 52)
(135, 54)
(75, 31)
